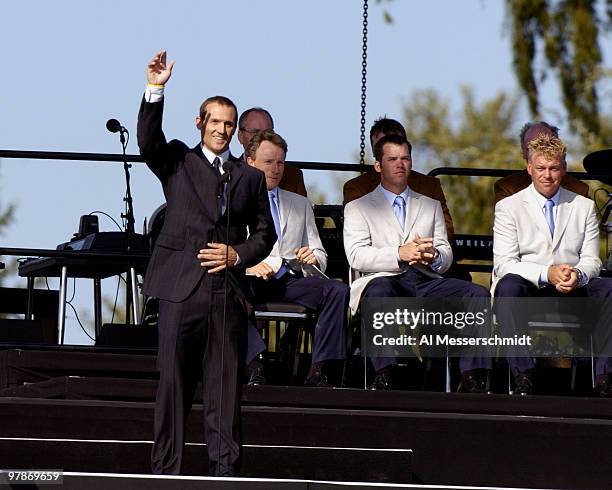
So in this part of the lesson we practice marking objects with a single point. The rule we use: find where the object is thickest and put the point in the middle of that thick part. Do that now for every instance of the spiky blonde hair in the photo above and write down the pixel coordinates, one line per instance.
(547, 146)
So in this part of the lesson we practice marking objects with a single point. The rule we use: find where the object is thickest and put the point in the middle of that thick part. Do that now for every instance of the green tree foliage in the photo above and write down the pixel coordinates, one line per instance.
(563, 35)
(481, 135)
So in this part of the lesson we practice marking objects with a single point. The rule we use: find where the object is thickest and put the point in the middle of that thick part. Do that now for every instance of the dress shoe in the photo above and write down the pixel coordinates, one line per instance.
(256, 374)
(382, 380)
(473, 381)
(603, 385)
(317, 377)
(523, 383)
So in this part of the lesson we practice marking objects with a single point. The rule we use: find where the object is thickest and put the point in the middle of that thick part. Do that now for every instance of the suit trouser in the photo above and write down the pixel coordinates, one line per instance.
(190, 350)
(327, 297)
(515, 286)
(414, 284)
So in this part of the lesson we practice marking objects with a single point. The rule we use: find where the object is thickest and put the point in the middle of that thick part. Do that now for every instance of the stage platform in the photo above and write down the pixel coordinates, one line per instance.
(92, 412)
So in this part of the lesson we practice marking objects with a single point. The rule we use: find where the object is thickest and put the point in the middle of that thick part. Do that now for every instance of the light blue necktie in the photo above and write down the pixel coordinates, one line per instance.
(275, 215)
(550, 216)
(276, 218)
(399, 209)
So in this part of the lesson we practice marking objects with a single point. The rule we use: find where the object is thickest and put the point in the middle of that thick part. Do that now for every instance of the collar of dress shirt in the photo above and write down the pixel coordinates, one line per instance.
(211, 156)
(542, 200)
(275, 192)
(390, 196)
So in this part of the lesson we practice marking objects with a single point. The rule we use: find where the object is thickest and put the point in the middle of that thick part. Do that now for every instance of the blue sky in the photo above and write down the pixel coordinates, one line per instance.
(70, 65)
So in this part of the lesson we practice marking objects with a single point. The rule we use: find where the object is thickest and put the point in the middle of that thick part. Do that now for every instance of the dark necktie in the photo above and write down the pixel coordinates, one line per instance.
(216, 164)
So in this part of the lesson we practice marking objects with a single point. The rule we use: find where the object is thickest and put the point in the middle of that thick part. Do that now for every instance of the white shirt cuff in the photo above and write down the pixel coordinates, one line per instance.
(154, 94)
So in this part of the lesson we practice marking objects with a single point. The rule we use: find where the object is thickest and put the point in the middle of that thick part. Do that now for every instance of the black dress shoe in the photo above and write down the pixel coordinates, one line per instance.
(603, 386)
(473, 381)
(382, 380)
(256, 374)
(523, 383)
(317, 377)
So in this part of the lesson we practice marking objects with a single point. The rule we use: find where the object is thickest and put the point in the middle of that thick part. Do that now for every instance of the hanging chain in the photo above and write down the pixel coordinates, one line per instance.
(364, 64)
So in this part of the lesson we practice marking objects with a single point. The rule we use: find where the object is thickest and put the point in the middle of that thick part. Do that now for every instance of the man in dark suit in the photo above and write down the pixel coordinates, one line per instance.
(511, 184)
(258, 119)
(418, 182)
(202, 329)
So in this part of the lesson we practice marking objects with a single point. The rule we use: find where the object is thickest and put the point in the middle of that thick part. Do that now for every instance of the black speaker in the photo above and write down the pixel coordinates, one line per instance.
(129, 336)
(21, 332)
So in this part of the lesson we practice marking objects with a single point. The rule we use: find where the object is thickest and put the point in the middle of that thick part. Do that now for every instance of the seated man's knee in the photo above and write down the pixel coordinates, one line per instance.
(478, 291)
(380, 287)
(511, 286)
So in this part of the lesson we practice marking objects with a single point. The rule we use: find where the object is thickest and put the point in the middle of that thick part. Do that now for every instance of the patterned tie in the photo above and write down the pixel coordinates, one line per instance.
(276, 218)
(217, 164)
(399, 209)
(550, 216)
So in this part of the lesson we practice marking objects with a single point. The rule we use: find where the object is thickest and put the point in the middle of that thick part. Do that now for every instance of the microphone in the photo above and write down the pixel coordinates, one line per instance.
(228, 167)
(114, 126)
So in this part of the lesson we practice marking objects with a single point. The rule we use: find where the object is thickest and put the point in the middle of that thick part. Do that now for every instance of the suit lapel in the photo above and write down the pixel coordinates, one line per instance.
(385, 211)
(564, 214)
(202, 171)
(237, 173)
(532, 209)
(413, 208)
(285, 211)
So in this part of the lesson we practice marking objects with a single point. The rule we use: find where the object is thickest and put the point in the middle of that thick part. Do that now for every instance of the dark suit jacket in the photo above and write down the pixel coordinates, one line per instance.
(418, 182)
(191, 187)
(511, 184)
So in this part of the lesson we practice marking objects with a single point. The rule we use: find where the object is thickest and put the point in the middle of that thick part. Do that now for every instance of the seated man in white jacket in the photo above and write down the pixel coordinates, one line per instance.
(396, 238)
(546, 244)
(294, 269)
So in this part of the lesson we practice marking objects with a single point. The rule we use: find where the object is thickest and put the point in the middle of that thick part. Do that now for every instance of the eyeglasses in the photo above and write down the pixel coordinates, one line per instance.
(251, 131)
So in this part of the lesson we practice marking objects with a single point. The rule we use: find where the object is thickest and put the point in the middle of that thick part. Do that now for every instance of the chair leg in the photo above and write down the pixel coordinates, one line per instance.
(592, 364)
(447, 380)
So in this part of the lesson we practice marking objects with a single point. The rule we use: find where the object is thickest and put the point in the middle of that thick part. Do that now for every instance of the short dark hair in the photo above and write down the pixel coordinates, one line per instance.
(265, 135)
(217, 99)
(395, 139)
(387, 126)
(245, 115)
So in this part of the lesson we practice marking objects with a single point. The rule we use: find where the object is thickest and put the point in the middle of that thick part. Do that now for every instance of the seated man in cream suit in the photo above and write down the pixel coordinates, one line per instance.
(293, 271)
(546, 243)
(396, 237)
(423, 184)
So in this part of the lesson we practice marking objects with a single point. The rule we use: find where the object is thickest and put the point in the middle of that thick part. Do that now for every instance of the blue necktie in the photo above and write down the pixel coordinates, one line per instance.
(550, 216)
(275, 215)
(399, 209)
(276, 218)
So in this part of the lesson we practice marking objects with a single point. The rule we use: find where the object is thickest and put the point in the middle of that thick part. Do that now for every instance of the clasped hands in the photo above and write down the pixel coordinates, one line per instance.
(418, 251)
(217, 256)
(564, 277)
(265, 272)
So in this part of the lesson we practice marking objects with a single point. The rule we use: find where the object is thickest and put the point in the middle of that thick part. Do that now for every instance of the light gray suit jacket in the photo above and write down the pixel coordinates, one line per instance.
(372, 236)
(298, 229)
(522, 243)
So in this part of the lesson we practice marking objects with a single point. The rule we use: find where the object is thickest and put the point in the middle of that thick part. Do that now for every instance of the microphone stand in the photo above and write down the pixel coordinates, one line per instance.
(225, 181)
(128, 216)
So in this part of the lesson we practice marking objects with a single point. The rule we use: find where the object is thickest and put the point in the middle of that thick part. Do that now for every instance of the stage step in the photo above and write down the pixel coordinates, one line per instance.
(448, 448)
(104, 481)
(143, 390)
(311, 463)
